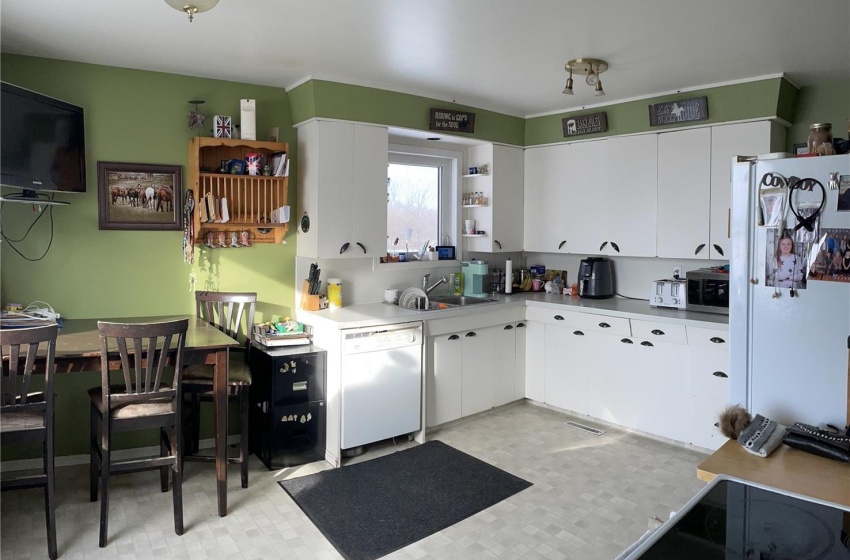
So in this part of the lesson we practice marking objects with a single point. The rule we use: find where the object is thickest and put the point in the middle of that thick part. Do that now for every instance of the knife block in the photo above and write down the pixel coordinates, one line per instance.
(309, 302)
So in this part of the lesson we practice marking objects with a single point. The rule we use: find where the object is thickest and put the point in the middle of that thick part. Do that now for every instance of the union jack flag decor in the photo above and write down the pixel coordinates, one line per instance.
(222, 127)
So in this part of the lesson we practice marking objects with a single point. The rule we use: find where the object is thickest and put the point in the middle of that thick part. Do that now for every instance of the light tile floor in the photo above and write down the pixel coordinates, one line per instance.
(591, 498)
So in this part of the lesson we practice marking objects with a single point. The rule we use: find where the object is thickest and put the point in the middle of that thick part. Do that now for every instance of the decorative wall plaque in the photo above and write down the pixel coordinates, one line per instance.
(585, 124)
(452, 121)
(671, 112)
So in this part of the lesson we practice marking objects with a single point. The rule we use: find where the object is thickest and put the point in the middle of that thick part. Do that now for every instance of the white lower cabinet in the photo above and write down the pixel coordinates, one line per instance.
(520, 331)
(444, 382)
(535, 361)
(476, 391)
(659, 376)
(504, 363)
(709, 385)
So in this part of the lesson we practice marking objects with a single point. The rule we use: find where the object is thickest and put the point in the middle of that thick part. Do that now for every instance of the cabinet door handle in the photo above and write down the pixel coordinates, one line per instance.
(647, 343)
(558, 318)
(470, 334)
(604, 243)
(626, 341)
(362, 247)
(605, 325)
(561, 244)
(658, 332)
(496, 241)
(578, 333)
(719, 249)
(344, 247)
(717, 340)
(615, 246)
(699, 248)
(720, 374)
(520, 325)
(454, 337)
(508, 328)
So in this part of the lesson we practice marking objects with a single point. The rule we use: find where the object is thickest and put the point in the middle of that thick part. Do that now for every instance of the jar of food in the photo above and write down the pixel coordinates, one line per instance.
(334, 292)
(820, 139)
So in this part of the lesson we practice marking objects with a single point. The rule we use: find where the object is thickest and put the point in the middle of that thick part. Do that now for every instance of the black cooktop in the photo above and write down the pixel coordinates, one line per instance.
(735, 520)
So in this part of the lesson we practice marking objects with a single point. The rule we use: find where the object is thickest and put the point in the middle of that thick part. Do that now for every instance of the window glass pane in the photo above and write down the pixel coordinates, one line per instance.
(413, 207)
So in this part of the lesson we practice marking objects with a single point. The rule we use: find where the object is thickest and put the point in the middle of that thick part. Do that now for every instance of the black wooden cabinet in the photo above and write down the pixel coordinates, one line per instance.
(288, 405)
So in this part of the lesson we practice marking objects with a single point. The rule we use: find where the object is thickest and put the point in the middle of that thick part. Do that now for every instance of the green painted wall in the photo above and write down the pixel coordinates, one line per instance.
(826, 102)
(131, 116)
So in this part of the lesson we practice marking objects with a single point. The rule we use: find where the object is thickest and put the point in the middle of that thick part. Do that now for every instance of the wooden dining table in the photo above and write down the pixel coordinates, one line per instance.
(78, 349)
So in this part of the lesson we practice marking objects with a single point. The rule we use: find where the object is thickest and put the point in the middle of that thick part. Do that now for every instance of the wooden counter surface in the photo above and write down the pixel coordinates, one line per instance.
(785, 468)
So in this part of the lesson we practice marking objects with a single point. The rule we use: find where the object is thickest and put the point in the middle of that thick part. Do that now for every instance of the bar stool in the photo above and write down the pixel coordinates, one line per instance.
(27, 417)
(144, 401)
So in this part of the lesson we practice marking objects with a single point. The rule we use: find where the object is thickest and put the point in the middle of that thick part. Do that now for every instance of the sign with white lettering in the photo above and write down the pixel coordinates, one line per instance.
(585, 124)
(671, 112)
(447, 120)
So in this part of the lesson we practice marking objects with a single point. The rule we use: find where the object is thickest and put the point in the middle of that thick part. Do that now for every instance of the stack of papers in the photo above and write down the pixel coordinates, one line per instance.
(19, 320)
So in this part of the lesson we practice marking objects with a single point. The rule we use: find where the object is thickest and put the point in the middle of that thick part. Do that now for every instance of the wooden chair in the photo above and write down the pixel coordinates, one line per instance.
(224, 310)
(143, 401)
(28, 417)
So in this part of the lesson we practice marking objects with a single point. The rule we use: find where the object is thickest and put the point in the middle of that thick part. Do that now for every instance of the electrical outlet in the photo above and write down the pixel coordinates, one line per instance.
(677, 272)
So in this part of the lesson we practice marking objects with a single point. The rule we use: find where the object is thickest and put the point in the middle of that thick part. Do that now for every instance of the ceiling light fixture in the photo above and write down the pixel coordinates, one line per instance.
(192, 7)
(591, 68)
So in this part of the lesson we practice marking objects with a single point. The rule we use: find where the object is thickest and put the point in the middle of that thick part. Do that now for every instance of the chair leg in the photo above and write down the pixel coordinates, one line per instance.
(104, 486)
(244, 408)
(94, 457)
(49, 502)
(177, 490)
(163, 452)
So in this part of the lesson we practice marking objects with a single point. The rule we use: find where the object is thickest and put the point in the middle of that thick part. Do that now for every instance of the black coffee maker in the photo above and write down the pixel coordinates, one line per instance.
(595, 279)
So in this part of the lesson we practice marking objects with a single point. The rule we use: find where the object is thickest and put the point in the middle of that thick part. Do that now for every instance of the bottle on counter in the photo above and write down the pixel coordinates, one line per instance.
(334, 292)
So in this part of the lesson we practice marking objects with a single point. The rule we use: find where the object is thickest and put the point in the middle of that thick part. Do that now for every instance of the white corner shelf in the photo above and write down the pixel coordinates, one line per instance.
(475, 235)
(474, 206)
(477, 175)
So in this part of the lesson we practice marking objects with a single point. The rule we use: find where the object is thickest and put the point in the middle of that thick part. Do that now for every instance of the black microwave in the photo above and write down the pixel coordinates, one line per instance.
(708, 291)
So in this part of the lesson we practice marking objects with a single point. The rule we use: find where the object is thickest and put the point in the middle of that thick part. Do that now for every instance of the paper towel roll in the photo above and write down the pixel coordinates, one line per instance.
(509, 276)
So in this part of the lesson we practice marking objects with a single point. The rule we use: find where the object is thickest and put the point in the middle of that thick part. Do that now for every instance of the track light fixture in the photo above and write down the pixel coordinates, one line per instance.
(192, 7)
(591, 68)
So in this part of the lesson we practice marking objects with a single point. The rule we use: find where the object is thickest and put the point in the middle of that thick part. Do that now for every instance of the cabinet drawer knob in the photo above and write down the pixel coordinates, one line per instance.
(605, 325)
(561, 244)
(718, 248)
(520, 325)
(578, 333)
(720, 374)
(558, 318)
(362, 247)
(454, 337)
(604, 243)
(508, 327)
(471, 333)
(717, 340)
(647, 343)
(344, 247)
(658, 332)
(496, 241)
(626, 341)
(700, 247)
(615, 246)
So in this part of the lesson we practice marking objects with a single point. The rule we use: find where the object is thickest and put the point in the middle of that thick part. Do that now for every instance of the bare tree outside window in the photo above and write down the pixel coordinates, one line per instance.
(413, 207)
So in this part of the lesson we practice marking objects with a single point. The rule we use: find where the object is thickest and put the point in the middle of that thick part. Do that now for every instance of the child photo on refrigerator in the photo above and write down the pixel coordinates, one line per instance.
(786, 261)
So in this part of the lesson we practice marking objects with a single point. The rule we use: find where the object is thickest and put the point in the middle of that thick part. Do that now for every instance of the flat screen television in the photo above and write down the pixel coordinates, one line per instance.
(42, 144)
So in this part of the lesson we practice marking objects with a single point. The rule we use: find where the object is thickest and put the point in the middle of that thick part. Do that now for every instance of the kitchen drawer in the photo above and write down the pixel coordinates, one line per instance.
(296, 378)
(582, 321)
(709, 338)
(290, 435)
(660, 332)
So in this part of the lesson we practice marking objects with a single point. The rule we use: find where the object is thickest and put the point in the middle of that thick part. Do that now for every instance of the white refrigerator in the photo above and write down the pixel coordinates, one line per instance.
(788, 345)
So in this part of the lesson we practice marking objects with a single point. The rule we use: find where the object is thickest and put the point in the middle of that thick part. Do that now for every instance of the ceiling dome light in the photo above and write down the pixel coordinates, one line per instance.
(192, 7)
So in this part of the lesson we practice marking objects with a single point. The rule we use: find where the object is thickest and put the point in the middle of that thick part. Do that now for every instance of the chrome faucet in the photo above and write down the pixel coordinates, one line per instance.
(428, 289)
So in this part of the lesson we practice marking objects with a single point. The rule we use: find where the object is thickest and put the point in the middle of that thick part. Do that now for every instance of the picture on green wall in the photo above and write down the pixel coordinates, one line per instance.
(139, 196)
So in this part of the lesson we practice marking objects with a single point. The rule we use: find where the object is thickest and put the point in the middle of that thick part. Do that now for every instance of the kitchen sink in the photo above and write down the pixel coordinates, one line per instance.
(457, 301)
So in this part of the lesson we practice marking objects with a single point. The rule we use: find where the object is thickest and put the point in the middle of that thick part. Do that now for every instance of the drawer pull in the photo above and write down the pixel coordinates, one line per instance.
(578, 333)
(605, 325)
(717, 340)
(561, 244)
(699, 248)
(454, 337)
(626, 341)
(520, 325)
(658, 332)
(604, 243)
(720, 374)
(496, 241)
(615, 246)
(508, 327)
(471, 334)
(558, 318)
(344, 247)
(362, 247)
(300, 386)
(719, 249)
(647, 343)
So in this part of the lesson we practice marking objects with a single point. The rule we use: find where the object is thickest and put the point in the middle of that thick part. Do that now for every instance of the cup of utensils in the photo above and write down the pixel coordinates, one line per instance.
(391, 295)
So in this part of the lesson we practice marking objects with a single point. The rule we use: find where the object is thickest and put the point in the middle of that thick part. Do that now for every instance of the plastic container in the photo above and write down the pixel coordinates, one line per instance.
(820, 139)
(334, 292)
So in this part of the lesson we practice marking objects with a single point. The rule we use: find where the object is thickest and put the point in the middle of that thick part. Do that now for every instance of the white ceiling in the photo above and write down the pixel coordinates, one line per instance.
(502, 55)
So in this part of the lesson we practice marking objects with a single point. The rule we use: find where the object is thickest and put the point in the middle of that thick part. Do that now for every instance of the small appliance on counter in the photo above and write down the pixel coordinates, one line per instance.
(708, 290)
(595, 278)
(668, 293)
(475, 278)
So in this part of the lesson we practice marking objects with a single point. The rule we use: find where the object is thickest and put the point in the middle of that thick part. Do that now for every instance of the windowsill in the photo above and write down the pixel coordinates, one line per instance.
(377, 265)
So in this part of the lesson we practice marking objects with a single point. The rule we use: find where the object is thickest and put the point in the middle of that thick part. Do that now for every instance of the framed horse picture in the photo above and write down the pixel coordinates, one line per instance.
(139, 196)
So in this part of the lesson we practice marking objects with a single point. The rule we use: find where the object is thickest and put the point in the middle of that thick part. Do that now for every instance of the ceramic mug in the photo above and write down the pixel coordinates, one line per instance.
(536, 284)
(391, 295)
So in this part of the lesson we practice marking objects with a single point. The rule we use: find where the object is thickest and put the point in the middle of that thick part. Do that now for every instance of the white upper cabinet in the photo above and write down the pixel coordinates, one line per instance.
(727, 141)
(342, 186)
(684, 193)
(632, 197)
(586, 184)
(501, 216)
(547, 205)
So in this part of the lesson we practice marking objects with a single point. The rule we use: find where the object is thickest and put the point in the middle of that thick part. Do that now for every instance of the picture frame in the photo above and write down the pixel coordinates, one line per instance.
(801, 149)
(139, 196)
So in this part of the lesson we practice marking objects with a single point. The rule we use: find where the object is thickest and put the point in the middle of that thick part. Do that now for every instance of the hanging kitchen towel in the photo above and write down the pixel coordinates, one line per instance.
(829, 443)
(762, 436)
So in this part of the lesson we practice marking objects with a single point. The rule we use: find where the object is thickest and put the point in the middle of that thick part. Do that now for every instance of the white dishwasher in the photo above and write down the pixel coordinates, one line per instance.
(381, 383)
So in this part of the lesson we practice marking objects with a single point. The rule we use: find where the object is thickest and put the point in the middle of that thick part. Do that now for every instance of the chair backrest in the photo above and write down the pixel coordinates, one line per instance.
(144, 350)
(21, 346)
(226, 310)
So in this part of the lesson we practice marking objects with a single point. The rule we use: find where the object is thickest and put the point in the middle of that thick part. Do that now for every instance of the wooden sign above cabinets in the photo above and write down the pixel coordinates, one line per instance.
(585, 124)
(671, 112)
(452, 121)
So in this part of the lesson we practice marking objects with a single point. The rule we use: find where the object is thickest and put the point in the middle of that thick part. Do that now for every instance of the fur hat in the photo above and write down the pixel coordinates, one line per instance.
(733, 420)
